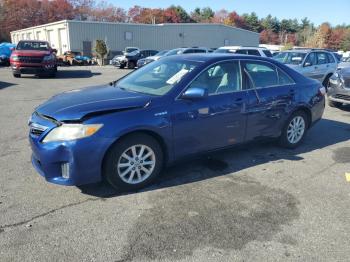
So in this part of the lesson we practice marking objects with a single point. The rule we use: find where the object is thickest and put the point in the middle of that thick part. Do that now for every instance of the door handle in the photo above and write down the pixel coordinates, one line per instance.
(316, 67)
(240, 99)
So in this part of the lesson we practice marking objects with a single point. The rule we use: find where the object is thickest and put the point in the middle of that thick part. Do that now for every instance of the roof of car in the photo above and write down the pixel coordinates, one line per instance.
(214, 57)
(243, 47)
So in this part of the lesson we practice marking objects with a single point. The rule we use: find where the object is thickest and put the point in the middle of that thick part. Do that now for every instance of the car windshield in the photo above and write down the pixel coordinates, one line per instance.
(131, 49)
(293, 58)
(29, 45)
(173, 52)
(161, 53)
(157, 78)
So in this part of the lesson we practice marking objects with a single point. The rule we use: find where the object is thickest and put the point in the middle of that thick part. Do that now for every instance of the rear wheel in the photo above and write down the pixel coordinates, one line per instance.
(133, 162)
(294, 130)
(17, 75)
(131, 65)
(326, 82)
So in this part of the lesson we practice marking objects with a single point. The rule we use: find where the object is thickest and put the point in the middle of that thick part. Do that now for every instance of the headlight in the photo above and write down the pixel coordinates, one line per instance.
(49, 58)
(15, 58)
(68, 132)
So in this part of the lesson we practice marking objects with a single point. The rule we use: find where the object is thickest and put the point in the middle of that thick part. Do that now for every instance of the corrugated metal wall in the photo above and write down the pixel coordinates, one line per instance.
(158, 37)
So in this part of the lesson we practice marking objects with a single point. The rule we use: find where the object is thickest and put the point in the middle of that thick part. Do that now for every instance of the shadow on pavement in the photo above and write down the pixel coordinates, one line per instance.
(63, 74)
(325, 133)
(4, 85)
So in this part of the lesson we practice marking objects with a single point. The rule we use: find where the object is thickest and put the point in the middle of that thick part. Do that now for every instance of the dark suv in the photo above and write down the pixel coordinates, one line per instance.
(33, 57)
(133, 57)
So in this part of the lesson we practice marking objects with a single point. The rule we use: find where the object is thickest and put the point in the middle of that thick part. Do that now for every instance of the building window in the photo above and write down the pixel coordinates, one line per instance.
(128, 36)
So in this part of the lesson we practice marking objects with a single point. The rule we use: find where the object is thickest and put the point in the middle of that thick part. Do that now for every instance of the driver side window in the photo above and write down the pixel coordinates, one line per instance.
(221, 78)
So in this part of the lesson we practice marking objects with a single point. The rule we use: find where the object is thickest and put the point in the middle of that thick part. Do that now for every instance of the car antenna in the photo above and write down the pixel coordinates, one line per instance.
(254, 87)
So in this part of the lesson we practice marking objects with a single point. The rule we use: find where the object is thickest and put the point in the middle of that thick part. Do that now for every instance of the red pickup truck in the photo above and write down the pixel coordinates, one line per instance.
(33, 57)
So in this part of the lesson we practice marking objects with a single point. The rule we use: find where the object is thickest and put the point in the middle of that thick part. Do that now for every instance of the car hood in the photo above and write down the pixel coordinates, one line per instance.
(31, 53)
(345, 72)
(78, 104)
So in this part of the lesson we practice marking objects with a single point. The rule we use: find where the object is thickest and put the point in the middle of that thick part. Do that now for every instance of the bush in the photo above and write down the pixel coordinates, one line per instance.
(101, 49)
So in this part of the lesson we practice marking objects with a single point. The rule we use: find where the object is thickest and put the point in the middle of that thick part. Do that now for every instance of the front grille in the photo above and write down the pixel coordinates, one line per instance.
(30, 59)
(343, 97)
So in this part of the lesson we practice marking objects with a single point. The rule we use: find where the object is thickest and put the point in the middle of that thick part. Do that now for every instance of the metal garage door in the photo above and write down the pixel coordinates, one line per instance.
(63, 41)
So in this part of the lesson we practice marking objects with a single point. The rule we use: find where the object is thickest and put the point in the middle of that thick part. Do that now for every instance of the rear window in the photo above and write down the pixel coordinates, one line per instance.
(262, 74)
(253, 52)
(330, 58)
(267, 53)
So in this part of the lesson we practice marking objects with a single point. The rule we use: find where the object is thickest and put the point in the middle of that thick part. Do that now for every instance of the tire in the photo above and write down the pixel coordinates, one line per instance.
(131, 65)
(300, 121)
(121, 67)
(126, 174)
(17, 75)
(334, 104)
(326, 82)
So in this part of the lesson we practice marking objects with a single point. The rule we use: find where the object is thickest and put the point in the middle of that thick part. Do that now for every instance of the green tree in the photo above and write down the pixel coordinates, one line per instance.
(252, 22)
(101, 49)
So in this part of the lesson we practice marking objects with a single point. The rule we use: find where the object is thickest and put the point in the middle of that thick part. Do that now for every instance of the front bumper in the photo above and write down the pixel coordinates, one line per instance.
(339, 94)
(33, 69)
(83, 157)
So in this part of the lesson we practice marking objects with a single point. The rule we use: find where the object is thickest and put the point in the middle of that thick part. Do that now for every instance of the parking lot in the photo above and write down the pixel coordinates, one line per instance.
(257, 202)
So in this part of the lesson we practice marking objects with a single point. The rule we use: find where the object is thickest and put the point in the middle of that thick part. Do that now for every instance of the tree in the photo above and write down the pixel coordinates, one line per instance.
(101, 49)
(221, 17)
(345, 43)
(236, 20)
(252, 22)
(205, 14)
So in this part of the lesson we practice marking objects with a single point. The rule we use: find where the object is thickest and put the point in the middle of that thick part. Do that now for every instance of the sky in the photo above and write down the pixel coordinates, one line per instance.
(317, 11)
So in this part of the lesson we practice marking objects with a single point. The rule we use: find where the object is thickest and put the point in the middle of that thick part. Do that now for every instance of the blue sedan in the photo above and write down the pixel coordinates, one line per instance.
(127, 131)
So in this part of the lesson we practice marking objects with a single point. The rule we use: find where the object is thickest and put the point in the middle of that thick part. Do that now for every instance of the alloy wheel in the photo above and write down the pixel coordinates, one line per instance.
(296, 129)
(136, 164)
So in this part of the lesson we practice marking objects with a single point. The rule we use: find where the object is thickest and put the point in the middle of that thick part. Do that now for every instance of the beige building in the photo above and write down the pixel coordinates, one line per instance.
(68, 35)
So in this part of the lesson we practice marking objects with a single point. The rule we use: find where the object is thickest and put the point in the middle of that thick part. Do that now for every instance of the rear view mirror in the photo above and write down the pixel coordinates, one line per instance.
(195, 93)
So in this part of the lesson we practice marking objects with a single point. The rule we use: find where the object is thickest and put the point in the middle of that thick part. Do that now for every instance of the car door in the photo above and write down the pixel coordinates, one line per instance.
(215, 121)
(322, 66)
(270, 93)
(310, 67)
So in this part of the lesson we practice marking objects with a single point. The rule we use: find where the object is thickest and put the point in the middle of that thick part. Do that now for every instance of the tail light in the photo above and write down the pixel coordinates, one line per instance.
(322, 91)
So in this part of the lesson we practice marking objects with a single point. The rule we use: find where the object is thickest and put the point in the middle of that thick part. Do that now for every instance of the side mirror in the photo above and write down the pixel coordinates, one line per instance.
(195, 93)
(12, 48)
(307, 64)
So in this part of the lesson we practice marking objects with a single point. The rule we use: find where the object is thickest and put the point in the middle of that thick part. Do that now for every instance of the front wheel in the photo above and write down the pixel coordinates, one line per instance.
(17, 75)
(133, 162)
(294, 130)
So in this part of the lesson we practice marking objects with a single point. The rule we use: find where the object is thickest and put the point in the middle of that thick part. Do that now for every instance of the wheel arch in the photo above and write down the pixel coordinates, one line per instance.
(307, 111)
(151, 133)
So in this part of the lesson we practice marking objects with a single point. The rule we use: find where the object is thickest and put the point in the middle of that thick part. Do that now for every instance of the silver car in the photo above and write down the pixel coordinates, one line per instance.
(345, 63)
(316, 64)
